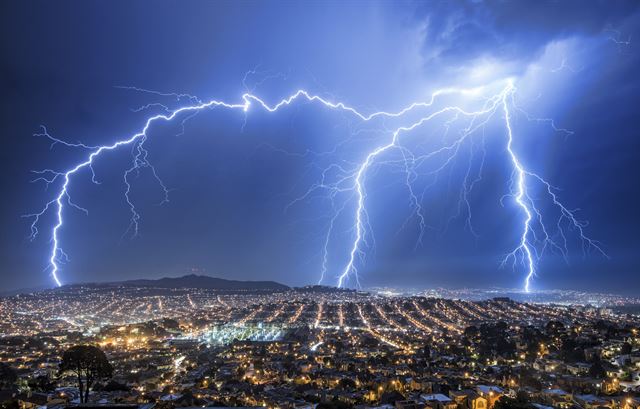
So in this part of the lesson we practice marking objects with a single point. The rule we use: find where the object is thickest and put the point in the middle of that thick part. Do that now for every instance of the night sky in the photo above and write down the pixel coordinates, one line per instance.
(232, 177)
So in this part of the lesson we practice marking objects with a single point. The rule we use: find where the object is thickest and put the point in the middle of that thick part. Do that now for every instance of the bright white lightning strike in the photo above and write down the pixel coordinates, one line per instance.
(528, 251)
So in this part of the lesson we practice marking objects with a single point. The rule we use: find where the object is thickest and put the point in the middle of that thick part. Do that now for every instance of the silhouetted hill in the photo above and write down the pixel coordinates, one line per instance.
(212, 283)
(30, 290)
(323, 289)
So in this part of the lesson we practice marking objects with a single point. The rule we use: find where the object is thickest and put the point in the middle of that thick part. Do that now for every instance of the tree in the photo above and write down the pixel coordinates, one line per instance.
(8, 376)
(521, 401)
(391, 397)
(597, 370)
(10, 404)
(335, 404)
(426, 351)
(471, 331)
(89, 364)
(571, 351)
(168, 323)
(529, 377)
(113, 386)
(554, 327)
(347, 383)
(42, 383)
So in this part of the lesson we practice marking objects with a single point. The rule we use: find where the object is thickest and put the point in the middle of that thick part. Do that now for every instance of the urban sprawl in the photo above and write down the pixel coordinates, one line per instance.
(311, 347)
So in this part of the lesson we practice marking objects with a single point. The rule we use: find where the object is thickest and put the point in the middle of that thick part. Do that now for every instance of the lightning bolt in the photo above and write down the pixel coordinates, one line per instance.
(339, 179)
(532, 246)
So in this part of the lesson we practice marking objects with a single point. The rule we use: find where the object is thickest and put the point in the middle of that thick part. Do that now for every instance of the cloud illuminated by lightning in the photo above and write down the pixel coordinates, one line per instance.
(535, 237)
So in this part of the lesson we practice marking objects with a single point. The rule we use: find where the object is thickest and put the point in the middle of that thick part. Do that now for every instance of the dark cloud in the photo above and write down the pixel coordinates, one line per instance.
(456, 32)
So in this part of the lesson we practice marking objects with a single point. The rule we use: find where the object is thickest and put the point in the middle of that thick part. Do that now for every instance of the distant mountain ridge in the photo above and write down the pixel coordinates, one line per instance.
(185, 282)
(205, 282)
(11, 293)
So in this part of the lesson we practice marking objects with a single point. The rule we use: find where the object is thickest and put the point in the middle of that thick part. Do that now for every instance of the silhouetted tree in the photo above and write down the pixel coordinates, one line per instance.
(10, 404)
(426, 351)
(42, 383)
(170, 324)
(390, 398)
(597, 370)
(347, 383)
(113, 386)
(528, 377)
(471, 331)
(554, 326)
(521, 401)
(571, 351)
(335, 404)
(89, 364)
(8, 376)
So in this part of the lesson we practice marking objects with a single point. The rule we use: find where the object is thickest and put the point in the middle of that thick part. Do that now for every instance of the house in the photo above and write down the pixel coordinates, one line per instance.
(630, 403)
(469, 399)
(459, 397)
(475, 401)
(438, 401)
(610, 386)
(539, 406)
(490, 393)
(590, 401)
(33, 400)
(409, 404)
(557, 398)
(578, 368)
